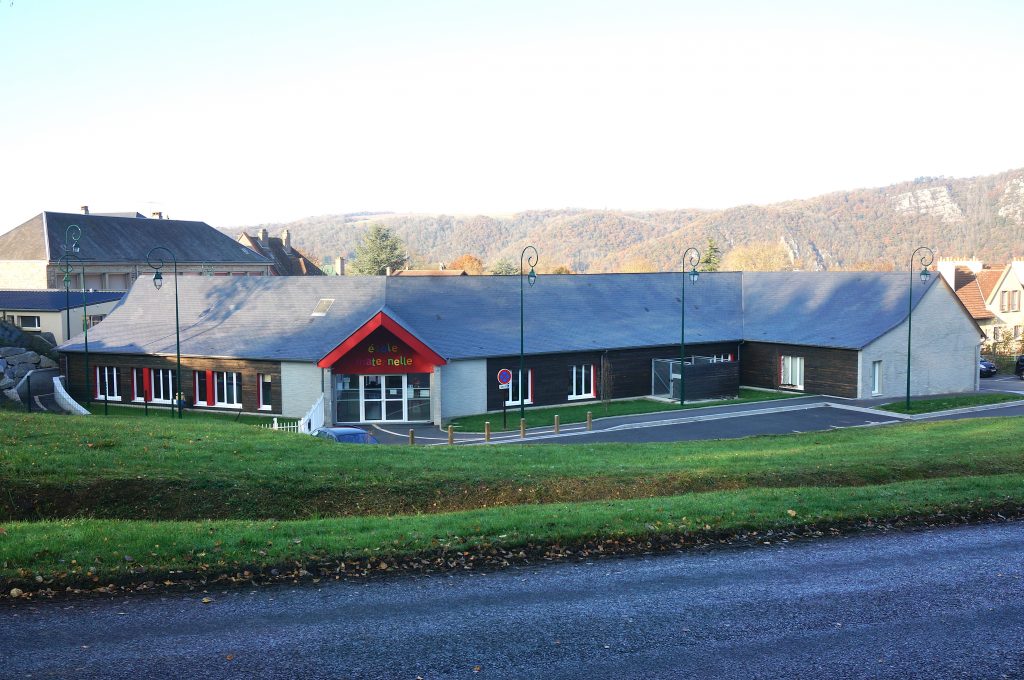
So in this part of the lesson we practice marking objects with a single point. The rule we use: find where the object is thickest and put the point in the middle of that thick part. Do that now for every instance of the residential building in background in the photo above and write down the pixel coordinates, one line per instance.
(993, 294)
(287, 260)
(114, 248)
(48, 312)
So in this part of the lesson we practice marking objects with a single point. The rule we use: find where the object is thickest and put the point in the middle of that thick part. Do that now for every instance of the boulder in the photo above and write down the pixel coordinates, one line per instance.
(21, 370)
(12, 394)
(47, 362)
(6, 383)
(11, 351)
(49, 338)
(24, 358)
(3, 365)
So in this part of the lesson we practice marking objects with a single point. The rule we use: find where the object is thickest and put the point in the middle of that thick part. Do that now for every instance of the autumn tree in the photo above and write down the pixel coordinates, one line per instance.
(505, 267)
(470, 263)
(379, 251)
(758, 257)
(712, 259)
(560, 269)
(637, 265)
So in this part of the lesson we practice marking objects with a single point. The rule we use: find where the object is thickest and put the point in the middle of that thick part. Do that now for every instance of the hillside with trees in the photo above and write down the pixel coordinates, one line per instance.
(859, 229)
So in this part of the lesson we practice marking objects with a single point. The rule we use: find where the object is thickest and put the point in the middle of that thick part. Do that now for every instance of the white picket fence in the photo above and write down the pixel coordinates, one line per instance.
(313, 420)
(292, 426)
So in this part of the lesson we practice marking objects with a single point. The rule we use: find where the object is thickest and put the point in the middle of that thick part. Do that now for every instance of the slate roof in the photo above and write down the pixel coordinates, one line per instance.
(430, 272)
(286, 263)
(52, 300)
(845, 310)
(123, 239)
(478, 316)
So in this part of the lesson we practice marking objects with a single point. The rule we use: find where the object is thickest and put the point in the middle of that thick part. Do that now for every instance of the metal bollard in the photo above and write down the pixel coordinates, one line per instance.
(556, 423)
(590, 421)
(522, 428)
(487, 431)
(451, 435)
(412, 437)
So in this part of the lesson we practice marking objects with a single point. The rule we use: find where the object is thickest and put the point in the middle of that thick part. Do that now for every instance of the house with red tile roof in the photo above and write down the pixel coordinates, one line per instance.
(992, 294)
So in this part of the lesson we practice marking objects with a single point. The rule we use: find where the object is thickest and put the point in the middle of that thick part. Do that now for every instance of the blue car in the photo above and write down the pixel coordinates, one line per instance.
(986, 369)
(346, 435)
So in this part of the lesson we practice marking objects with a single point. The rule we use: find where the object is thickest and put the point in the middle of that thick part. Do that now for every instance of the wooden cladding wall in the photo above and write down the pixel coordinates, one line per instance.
(708, 381)
(74, 363)
(631, 373)
(826, 370)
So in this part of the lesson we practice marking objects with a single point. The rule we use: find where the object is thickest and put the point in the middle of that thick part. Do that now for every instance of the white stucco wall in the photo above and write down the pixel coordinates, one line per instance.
(23, 274)
(462, 389)
(944, 355)
(300, 388)
(56, 322)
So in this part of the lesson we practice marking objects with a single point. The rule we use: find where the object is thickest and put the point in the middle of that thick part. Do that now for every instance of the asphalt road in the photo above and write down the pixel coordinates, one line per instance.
(944, 603)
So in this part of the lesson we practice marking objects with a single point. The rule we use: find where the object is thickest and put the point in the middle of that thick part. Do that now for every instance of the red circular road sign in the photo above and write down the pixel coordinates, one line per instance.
(504, 376)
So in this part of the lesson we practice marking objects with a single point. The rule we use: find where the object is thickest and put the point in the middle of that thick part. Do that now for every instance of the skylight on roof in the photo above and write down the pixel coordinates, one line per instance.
(322, 307)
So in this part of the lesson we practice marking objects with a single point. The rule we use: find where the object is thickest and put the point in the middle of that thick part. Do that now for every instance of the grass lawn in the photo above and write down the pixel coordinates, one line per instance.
(164, 411)
(545, 417)
(87, 552)
(119, 493)
(946, 403)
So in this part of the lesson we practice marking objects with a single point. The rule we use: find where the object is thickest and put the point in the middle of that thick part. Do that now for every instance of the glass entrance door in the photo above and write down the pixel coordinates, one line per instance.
(373, 397)
(383, 398)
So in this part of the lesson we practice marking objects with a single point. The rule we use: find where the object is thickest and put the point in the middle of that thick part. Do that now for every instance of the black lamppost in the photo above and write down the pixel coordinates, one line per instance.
(532, 278)
(926, 259)
(692, 274)
(72, 236)
(158, 282)
(71, 249)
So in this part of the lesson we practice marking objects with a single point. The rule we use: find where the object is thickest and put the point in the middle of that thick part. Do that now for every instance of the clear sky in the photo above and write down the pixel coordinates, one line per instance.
(244, 112)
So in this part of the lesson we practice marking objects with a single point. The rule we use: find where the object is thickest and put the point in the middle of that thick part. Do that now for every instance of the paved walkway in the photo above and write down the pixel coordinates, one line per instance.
(726, 421)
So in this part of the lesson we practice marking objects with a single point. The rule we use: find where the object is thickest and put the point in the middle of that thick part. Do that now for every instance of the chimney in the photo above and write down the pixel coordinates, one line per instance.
(286, 240)
(159, 215)
(387, 272)
(339, 266)
(261, 236)
(85, 210)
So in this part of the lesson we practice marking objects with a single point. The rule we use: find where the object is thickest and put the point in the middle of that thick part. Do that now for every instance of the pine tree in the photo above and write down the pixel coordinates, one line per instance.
(379, 251)
(712, 259)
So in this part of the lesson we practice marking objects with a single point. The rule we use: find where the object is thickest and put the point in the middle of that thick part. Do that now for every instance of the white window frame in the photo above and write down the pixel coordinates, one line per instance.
(110, 374)
(792, 372)
(580, 374)
(260, 377)
(513, 384)
(38, 325)
(876, 377)
(154, 380)
(200, 399)
(138, 385)
(236, 379)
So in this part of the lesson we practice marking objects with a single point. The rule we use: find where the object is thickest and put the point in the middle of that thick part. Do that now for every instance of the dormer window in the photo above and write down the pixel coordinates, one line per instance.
(322, 307)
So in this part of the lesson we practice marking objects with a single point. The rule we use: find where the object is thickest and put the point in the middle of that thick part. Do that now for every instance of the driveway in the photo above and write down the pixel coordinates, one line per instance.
(928, 604)
(728, 421)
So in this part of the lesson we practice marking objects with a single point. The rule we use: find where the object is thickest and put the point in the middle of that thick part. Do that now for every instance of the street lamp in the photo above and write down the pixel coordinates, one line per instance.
(158, 282)
(73, 233)
(71, 249)
(926, 259)
(64, 264)
(532, 278)
(692, 275)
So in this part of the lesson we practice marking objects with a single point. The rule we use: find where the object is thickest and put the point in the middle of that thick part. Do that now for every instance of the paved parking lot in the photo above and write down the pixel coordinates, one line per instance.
(802, 414)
